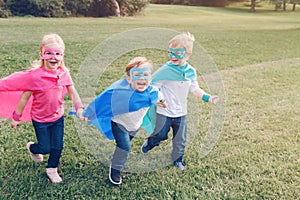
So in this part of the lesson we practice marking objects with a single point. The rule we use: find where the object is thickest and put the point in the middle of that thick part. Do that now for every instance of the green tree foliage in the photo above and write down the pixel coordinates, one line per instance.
(3, 11)
(22, 7)
(99, 8)
(215, 3)
(63, 8)
(281, 4)
(78, 7)
(51, 8)
(43, 8)
(131, 7)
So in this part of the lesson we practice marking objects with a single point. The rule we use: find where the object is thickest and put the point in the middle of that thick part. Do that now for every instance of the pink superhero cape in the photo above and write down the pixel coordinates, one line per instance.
(12, 87)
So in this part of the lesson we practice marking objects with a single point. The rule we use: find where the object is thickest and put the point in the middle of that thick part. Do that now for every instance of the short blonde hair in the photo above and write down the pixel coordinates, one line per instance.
(185, 40)
(136, 62)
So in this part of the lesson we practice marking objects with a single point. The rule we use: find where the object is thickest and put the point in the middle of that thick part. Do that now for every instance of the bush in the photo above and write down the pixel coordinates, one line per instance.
(51, 8)
(131, 7)
(99, 8)
(4, 13)
(62, 8)
(22, 7)
(215, 3)
(179, 2)
(78, 7)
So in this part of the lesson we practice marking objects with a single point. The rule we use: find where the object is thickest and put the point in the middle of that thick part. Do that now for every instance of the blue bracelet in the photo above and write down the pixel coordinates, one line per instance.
(205, 97)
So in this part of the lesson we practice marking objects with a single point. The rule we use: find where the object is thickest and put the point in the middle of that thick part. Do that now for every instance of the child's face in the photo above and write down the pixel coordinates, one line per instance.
(177, 55)
(52, 58)
(140, 77)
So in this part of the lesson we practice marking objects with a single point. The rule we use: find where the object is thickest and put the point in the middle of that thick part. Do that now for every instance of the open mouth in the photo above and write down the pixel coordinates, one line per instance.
(141, 84)
(53, 62)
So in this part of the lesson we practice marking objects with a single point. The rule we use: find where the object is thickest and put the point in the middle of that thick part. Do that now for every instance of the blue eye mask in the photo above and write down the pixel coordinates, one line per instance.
(177, 53)
(137, 73)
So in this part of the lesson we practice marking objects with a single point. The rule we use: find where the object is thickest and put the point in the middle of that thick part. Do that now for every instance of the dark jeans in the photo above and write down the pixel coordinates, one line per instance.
(162, 128)
(50, 140)
(122, 138)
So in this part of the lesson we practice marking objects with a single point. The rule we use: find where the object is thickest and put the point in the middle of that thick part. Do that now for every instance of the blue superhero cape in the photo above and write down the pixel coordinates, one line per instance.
(169, 72)
(119, 98)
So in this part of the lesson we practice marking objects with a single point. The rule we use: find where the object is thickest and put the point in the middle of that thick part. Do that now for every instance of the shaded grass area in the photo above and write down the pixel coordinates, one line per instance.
(257, 155)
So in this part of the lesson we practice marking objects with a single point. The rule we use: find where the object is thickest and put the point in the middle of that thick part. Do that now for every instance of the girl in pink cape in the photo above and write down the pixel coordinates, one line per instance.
(37, 95)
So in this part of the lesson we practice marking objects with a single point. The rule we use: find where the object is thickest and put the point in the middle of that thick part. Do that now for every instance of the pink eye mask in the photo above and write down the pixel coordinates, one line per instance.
(52, 54)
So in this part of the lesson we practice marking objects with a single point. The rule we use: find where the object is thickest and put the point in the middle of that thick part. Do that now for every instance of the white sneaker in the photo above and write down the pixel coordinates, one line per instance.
(53, 175)
(36, 157)
(115, 176)
(180, 165)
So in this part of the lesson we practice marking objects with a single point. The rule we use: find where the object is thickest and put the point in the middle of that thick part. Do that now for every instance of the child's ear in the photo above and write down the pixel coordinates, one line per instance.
(188, 55)
(128, 79)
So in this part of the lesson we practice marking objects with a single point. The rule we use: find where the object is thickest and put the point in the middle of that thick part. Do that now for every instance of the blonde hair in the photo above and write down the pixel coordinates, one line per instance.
(136, 62)
(185, 40)
(52, 41)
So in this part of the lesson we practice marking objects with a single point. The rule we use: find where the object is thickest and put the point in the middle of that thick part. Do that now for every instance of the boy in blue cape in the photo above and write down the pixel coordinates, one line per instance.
(175, 80)
(119, 110)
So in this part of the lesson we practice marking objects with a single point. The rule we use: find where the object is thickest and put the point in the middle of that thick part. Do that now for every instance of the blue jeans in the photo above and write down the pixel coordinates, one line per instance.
(162, 128)
(123, 147)
(50, 140)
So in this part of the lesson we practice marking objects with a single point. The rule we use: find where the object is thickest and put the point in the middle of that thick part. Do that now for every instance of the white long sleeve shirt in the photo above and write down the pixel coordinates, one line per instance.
(133, 120)
(176, 93)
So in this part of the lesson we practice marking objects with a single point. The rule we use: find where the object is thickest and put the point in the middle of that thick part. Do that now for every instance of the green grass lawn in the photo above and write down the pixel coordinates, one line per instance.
(254, 153)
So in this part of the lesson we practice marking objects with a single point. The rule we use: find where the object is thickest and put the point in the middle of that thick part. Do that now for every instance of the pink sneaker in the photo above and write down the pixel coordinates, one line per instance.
(36, 157)
(53, 175)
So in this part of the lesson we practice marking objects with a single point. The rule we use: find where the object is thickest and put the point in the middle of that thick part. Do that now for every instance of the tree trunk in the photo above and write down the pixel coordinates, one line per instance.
(253, 2)
(284, 5)
(277, 5)
(115, 7)
(294, 6)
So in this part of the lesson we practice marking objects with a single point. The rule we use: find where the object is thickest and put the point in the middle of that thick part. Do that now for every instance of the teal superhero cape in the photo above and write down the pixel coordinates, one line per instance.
(172, 73)
(119, 98)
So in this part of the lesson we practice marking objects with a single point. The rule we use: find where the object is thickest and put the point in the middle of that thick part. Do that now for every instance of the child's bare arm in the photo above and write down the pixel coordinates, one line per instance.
(206, 97)
(16, 117)
(77, 102)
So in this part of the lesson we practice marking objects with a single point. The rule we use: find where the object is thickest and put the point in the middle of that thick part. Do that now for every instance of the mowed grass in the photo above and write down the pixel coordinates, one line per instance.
(256, 156)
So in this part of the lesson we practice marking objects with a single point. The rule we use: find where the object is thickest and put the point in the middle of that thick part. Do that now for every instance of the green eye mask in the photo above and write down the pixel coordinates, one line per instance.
(137, 73)
(177, 53)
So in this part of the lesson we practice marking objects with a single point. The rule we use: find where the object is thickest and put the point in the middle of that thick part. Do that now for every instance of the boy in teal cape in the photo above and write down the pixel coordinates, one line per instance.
(175, 80)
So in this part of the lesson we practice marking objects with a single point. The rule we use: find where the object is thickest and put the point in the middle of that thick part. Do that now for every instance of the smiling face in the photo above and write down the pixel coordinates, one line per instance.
(177, 56)
(180, 48)
(139, 78)
(52, 51)
(51, 58)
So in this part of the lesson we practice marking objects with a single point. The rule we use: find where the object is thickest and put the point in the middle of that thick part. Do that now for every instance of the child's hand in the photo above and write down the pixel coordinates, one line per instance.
(80, 116)
(162, 103)
(214, 99)
(15, 124)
